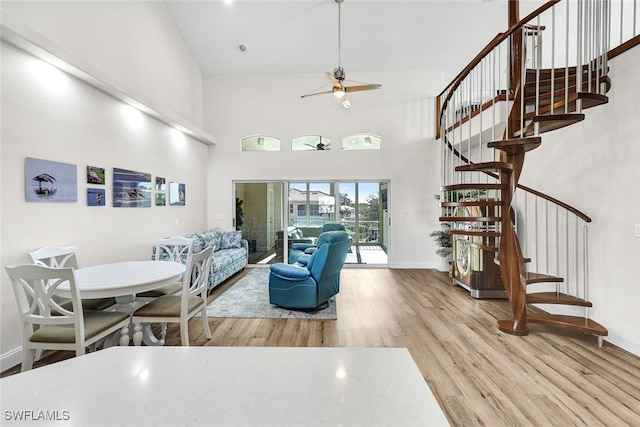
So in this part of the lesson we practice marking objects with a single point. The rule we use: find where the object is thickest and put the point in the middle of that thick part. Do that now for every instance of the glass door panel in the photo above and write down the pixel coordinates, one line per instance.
(364, 213)
(260, 205)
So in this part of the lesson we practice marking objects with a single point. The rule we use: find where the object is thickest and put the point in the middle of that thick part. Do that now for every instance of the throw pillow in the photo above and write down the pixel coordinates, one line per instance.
(231, 239)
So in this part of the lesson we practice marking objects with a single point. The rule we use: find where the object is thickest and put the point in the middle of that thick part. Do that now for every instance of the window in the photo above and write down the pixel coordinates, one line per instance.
(362, 141)
(260, 143)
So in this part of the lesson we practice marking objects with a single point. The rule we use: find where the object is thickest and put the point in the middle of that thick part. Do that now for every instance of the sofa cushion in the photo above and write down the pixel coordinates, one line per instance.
(224, 258)
(216, 239)
(231, 239)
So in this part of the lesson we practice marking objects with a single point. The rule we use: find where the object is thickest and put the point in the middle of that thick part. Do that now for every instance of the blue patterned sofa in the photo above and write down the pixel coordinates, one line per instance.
(230, 253)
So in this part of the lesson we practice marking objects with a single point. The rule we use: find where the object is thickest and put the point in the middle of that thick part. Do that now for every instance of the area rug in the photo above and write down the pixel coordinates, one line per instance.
(250, 298)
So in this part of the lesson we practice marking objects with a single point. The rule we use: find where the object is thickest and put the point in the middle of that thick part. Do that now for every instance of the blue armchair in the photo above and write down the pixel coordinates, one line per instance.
(310, 287)
(299, 249)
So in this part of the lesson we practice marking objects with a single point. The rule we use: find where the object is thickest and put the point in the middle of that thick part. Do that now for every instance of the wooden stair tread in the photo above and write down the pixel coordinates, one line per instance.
(472, 203)
(560, 72)
(475, 233)
(486, 167)
(542, 278)
(560, 85)
(556, 298)
(516, 145)
(471, 186)
(589, 100)
(482, 247)
(497, 260)
(561, 75)
(550, 122)
(470, 218)
(560, 107)
(570, 322)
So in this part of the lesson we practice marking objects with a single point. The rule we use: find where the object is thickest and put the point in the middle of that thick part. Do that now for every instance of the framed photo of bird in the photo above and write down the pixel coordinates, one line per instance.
(95, 175)
(131, 189)
(95, 197)
(49, 181)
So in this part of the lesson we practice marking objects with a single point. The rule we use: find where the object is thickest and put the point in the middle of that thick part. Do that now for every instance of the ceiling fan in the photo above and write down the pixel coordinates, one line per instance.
(319, 146)
(338, 89)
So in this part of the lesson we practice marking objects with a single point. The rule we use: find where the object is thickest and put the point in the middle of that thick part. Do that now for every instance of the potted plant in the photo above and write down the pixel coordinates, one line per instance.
(239, 214)
(443, 240)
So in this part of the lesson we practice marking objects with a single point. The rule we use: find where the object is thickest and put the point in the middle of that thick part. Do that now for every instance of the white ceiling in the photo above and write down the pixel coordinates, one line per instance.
(301, 36)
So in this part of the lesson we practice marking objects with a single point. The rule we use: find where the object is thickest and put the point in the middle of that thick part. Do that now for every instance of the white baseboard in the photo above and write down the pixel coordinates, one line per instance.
(10, 359)
(623, 342)
(614, 338)
(412, 265)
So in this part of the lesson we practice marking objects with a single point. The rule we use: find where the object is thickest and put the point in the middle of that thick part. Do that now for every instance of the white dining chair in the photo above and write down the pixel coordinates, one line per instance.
(182, 307)
(66, 256)
(60, 257)
(176, 249)
(70, 328)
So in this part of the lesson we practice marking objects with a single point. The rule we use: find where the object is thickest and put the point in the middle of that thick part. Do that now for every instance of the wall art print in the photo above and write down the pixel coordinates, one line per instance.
(177, 194)
(95, 197)
(161, 199)
(48, 181)
(131, 189)
(95, 175)
(161, 184)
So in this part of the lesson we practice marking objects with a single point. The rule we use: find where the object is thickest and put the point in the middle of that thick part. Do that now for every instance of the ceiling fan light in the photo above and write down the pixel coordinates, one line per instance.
(339, 93)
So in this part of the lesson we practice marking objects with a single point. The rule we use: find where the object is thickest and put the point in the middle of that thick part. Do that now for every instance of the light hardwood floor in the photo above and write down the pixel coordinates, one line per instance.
(480, 376)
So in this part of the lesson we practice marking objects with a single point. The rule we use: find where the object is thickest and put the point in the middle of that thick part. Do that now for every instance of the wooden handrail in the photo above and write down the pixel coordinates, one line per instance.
(499, 38)
(635, 41)
(571, 209)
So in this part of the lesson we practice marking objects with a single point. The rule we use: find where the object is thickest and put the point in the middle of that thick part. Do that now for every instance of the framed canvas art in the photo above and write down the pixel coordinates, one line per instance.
(177, 194)
(131, 189)
(95, 197)
(161, 184)
(95, 175)
(48, 181)
(161, 199)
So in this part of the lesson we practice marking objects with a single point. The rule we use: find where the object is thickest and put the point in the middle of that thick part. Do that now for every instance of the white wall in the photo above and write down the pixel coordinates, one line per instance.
(594, 166)
(134, 43)
(48, 114)
(401, 112)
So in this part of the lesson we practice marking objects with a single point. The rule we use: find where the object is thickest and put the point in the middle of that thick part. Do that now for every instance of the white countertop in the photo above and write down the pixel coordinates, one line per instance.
(226, 386)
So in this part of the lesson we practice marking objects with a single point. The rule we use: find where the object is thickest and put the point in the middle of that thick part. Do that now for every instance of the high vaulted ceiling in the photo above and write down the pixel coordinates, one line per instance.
(301, 36)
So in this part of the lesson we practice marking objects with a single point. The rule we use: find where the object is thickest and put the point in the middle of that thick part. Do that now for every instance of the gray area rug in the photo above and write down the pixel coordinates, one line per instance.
(250, 298)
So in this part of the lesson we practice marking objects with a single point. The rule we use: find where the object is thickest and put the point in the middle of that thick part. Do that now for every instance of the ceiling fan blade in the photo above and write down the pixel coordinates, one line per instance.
(316, 93)
(361, 87)
(334, 82)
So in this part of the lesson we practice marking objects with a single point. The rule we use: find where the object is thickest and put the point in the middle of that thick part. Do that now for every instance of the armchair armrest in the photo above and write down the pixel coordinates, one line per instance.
(289, 272)
(302, 246)
(303, 260)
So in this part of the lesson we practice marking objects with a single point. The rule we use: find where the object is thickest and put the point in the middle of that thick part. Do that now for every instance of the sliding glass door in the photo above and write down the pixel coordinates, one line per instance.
(263, 209)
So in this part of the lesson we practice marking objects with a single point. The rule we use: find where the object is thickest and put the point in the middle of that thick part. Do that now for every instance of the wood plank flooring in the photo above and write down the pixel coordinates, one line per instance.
(480, 376)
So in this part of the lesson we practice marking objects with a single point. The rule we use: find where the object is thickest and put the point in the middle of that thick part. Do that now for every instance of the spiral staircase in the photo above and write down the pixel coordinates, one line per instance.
(487, 124)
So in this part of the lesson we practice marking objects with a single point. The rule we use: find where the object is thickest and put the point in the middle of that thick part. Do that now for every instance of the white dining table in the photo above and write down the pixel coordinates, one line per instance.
(123, 280)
